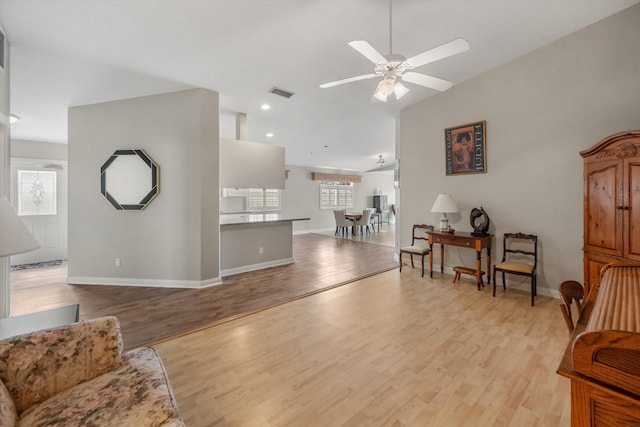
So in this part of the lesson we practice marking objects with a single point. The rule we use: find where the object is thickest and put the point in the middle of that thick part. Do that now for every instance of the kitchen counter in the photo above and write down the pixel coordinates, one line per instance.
(252, 218)
(253, 241)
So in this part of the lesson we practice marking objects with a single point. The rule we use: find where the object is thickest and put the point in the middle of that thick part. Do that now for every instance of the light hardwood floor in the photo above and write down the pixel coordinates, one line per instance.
(393, 349)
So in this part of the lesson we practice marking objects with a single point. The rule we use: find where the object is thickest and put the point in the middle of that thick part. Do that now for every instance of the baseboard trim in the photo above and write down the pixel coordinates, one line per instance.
(520, 285)
(254, 267)
(152, 283)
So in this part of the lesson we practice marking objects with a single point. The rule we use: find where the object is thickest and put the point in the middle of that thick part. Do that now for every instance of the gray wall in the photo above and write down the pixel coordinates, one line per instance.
(175, 240)
(5, 110)
(541, 110)
(301, 197)
(4, 171)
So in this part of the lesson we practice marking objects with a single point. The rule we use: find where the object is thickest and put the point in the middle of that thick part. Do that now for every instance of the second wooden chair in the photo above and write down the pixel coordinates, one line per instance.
(520, 257)
(419, 244)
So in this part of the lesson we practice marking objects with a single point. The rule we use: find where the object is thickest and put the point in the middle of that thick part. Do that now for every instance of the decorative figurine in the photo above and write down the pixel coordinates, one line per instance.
(482, 228)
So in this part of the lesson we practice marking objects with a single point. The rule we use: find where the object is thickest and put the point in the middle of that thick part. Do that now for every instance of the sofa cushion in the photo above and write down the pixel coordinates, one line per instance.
(40, 364)
(136, 394)
(8, 414)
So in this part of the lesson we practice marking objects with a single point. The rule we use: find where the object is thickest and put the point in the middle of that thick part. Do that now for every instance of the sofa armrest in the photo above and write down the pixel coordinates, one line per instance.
(37, 365)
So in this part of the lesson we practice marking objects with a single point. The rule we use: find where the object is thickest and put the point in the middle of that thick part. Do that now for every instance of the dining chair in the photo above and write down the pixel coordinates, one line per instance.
(364, 220)
(419, 244)
(520, 257)
(571, 291)
(342, 223)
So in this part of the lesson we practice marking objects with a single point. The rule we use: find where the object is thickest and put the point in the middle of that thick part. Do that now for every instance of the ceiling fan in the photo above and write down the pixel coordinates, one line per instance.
(394, 67)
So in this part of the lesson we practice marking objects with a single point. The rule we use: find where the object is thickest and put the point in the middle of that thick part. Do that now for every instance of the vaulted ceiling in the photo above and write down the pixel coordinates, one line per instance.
(69, 52)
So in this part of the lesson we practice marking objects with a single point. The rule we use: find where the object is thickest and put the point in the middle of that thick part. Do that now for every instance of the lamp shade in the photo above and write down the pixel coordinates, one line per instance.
(444, 204)
(15, 238)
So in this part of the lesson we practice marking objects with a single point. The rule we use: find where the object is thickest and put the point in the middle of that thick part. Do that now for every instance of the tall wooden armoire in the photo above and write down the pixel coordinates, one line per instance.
(611, 203)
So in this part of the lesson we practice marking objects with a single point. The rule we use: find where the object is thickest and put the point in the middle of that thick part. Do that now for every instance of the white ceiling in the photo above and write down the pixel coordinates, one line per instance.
(69, 52)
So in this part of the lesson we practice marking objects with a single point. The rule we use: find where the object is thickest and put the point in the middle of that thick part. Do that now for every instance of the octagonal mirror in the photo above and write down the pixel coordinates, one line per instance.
(129, 179)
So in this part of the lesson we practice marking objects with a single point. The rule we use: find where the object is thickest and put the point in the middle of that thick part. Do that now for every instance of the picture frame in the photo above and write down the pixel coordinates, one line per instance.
(466, 149)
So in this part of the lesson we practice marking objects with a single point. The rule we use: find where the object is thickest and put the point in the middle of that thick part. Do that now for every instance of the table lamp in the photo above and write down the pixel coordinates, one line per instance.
(444, 204)
(15, 238)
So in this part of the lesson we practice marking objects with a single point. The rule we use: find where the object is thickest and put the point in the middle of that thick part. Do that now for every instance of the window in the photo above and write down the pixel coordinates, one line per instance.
(263, 199)
(37, 193)
(336, 195)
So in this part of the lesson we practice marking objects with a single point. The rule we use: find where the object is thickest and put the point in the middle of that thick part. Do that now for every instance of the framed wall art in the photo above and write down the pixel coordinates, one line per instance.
(466, 149)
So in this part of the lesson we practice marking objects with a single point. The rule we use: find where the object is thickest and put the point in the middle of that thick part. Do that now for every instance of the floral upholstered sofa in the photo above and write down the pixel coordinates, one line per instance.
(78, 375)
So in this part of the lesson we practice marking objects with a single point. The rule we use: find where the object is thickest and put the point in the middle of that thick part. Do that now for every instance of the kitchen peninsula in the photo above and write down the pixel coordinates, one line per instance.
(253, 241)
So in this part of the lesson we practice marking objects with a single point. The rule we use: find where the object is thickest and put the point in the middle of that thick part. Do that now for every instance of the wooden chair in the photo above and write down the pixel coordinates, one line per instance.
(518, 259)
(571, 291)
(420, 233)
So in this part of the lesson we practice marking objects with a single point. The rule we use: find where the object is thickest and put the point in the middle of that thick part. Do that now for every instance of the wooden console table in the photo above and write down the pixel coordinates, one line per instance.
(465, 240)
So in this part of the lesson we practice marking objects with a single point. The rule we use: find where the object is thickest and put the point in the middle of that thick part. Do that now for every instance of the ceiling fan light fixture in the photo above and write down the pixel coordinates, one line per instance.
(384, 89)
(400, 90)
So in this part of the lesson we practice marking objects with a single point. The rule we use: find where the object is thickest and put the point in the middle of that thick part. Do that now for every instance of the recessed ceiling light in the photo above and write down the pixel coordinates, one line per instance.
(269, 135)
(265, 106)
(13, 118)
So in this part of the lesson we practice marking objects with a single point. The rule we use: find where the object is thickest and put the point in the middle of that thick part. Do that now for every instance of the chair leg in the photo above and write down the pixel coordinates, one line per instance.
(412, 266)
(504, 283)
(494, 281)
(400, 257)
(567, 317)
(533, 289)
(422, 265)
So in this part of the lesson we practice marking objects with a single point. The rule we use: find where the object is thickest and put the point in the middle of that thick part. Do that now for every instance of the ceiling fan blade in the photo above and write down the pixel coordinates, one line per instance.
(368, 51)
(427, 81)
(349, 80)
(443, 51)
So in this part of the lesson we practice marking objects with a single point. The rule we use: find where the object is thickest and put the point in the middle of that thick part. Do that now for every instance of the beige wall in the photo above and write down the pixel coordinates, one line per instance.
(245, 164)
(541, 110)
(175, 240)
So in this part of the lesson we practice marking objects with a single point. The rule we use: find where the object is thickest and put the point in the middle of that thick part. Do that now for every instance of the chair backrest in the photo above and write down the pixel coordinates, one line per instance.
(571, 291)
(520, 247)
(366, 217)
(420, 232)
(341, 221)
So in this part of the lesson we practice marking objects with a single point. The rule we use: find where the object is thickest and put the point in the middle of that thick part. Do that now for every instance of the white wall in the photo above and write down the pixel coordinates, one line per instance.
(301, 197)
(541, 110)
(175, 240)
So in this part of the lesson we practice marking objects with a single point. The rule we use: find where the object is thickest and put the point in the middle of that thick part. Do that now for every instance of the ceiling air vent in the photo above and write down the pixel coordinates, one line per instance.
(281, 92)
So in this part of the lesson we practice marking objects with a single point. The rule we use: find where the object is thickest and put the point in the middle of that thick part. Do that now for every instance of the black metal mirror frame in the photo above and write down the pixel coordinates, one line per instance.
(155, 172)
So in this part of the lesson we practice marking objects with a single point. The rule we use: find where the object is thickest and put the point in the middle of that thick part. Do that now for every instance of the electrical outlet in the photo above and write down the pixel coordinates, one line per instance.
(260, 250)
(117, 262)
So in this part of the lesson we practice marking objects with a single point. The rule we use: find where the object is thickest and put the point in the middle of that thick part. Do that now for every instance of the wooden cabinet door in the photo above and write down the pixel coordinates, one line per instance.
(632, 209)
(603, 221)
